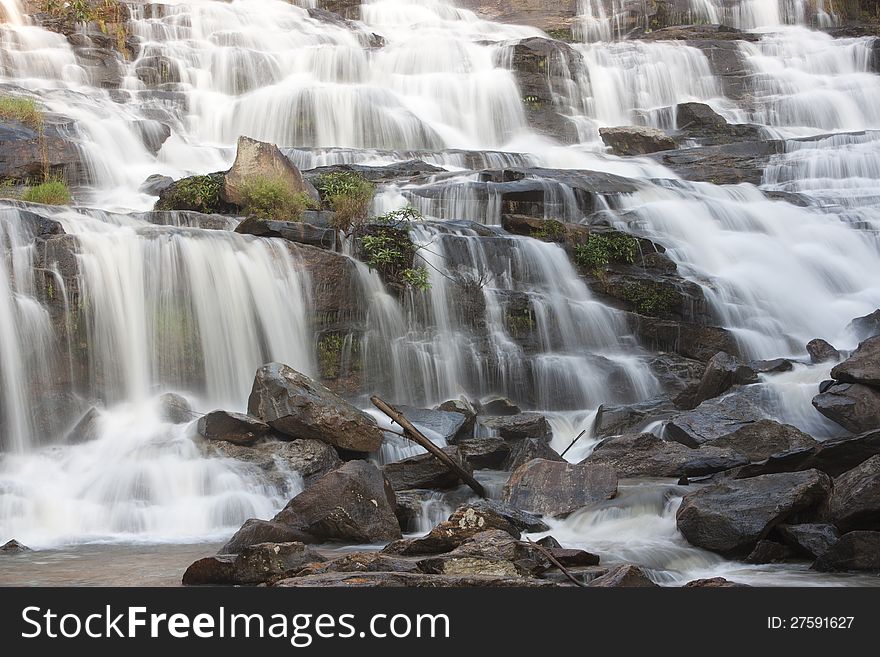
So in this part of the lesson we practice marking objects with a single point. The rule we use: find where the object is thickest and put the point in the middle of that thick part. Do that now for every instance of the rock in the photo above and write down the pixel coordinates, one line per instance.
(523, 451)
(770, 552)
(722, 372)
(700, 122)
(683, 338)
(821, 352)
(730, 517)
(26, 155)
(633, 418)
(558, 488)
(624, 576)
(353, 503)
(254, 532)
(13, 547)
(295, 231)
(636, 140)
(259, 159)
(234, 428)
(712, 583)
(500, 406)
(863, 366)
(855, 501)
(716, 418)
(253, 565)
(470, 417)
(408, 580)
(295, 405)
(493, 552)
(762, 439)
(312, 459)
(156, 71)
(485, 453)
(425, 471)
(438, 425)
(853, 406)
(156, 184)
(675, 373)
(646, 455)
(810, 539)
(519, 426)
(361, 562)
(726, 164)
(175, 409)
(859, 550)
(550, 18)
(88, 428)
(773, 366)
(866, 327)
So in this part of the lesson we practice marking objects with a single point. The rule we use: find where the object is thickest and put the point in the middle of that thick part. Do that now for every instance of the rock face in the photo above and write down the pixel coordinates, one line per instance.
(855, 502)
(425, 471)
(295, 231)
(699, 121)
(25, 154)
(866, 327)
(853, 406)
(253, 565)
(863, 366)
(636, 140)
(854, 551)
(820, 351)
(558, 488)
(235, 428)
(722, 372)
(764, 438)
(352, 503)
(256, 158)
(732, 516)
(646, 455)
(293, 404)
(519, 426)
(175, 409)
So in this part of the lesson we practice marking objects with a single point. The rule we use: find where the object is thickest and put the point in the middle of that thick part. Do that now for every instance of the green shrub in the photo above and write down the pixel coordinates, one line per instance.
(348, 195)
(51, 192)
(272, 198)
(602, 249)
(416, 277)
(550, 230)
(650, 299)
(196, 193)
(23, 110)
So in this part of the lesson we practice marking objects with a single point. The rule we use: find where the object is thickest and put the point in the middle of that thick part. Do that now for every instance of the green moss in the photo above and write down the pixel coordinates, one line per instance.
(348, 194)
(196, 193)
(561, 34)
(519, 322)
(330, 355)
(51, 192)
(22, 110)
(551, 230)
(602, 249)
(650, 299)
(272, 198)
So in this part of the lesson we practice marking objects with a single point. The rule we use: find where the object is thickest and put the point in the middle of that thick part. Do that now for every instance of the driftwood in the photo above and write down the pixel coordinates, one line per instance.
(571, 444)
(418, 437)
(549, 556)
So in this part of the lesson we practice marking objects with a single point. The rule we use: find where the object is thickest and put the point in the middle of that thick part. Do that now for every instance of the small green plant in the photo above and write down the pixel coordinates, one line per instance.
(650, 299)
(23, 110)
(382, 250)
(196, 193)
(551, 230)
(399, 216)
(349, 195)
(272, 198)
(416, 277)
(604, 248)
(329, 353)
(519, 322)
(81, 10)
(51, 192)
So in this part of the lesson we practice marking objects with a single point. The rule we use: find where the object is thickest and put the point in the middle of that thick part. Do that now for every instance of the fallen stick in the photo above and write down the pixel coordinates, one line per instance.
(549, 556)
(418, 437)
(571, 444)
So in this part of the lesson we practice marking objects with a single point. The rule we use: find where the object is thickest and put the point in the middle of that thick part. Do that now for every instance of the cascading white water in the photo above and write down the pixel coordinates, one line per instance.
(10, 11)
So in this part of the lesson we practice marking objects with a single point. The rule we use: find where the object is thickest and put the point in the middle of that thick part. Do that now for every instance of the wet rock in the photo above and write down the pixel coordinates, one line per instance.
(353, 504)
(770, 552)
(859, 550)
(259, 159)
(821, 352)
(438, 424)
(855, 501)
(762, 439)
(88, 428)
(728, 164)
(549, 230)
(295, 405)
(470, 417)
(295, 231)
(646, 455)
(38, 227)
(773, 366)
(722, 372)
(255, 532)
(156, 71)
(523, 451)
(189, 219)
(730, 517)
(617, 420)
(700, 122)
(493, 552)
(234, 428)
(676, 374)
(26, 155)
(636, 140)
(853, 406)
(156, 184)
(175, 409)
(407, 580)
(716, 418)
(361, 562)
(13, 547)
(866, 327)
(519, 426)
(809, 539)
(500, 406)
(624, 576)
(253, 565)
(863, 366)
(485, 453)
(312, 459)
(552, 19)
(683, 338)
(425, 471)
(712, 583)
(558, 488)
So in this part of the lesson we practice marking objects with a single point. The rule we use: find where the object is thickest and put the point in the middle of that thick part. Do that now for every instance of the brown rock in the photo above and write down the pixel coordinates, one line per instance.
(559, 488)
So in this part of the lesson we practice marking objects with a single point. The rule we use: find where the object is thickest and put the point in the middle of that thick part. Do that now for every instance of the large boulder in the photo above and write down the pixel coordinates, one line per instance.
(855, 502)
(859, 550)
(175, 408)
(810, 539)
(353, 504)
(624, 576)
(722, 372)
(311, 459)
(13, 547)
(863, 366)
(762, 439)
(730, 517)
(295, 231)
(699, 121)
(259, 159)
(425, 471)
(437, 424)
(255, 531)
(235, 428)
(519, 426)
(493, 552)
(636, 140)
(485, 453)
(866, 327)
(28, 153)
(715, 418)
(821, 351)
(646, 455)
(557, 488)
(853, 406)
(295, 405)
(523, 451)
(253, 565)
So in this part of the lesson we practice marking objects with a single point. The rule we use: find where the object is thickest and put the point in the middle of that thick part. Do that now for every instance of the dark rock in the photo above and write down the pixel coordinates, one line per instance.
(774, 366)
(519, 426)
(811, 539)
(684, 338)
(88, 428)
(26, 155)
(863, 366)
(312, 459)
(762, 439)
(361, 562)
(500, 406)
(712, 583)
(175, 408)
(486, 453)
(770, 552)
(295, 405)
(853, 406)
(732, 516)
(234, 428)
(624, 576)
(821, 352)
(523, 451)
(156, 184)
(38, 227)
(259, 159)
(254, 532)
(189, 219)
(855, 501)
(156, 71)
(439, 424)
(558, 488)
(858, 550)
(253, 565)
(716, 418)
(646, 455)
(636, 140)
(13, 547)
(722, 372)
(617, 420)
(699, 121)
(728, 164)
(866, 327)
(295, 231)
(470, 417)
(676, 373)
(353, 503)
(549, 542)
(425, 471)
(408, 580)
(492, 552)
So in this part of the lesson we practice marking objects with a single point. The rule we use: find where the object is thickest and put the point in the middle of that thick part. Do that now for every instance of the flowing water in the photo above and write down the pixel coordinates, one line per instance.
(135, 307)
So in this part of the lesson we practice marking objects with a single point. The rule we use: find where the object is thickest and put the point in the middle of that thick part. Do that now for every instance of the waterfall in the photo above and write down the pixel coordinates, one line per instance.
(12, 12)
